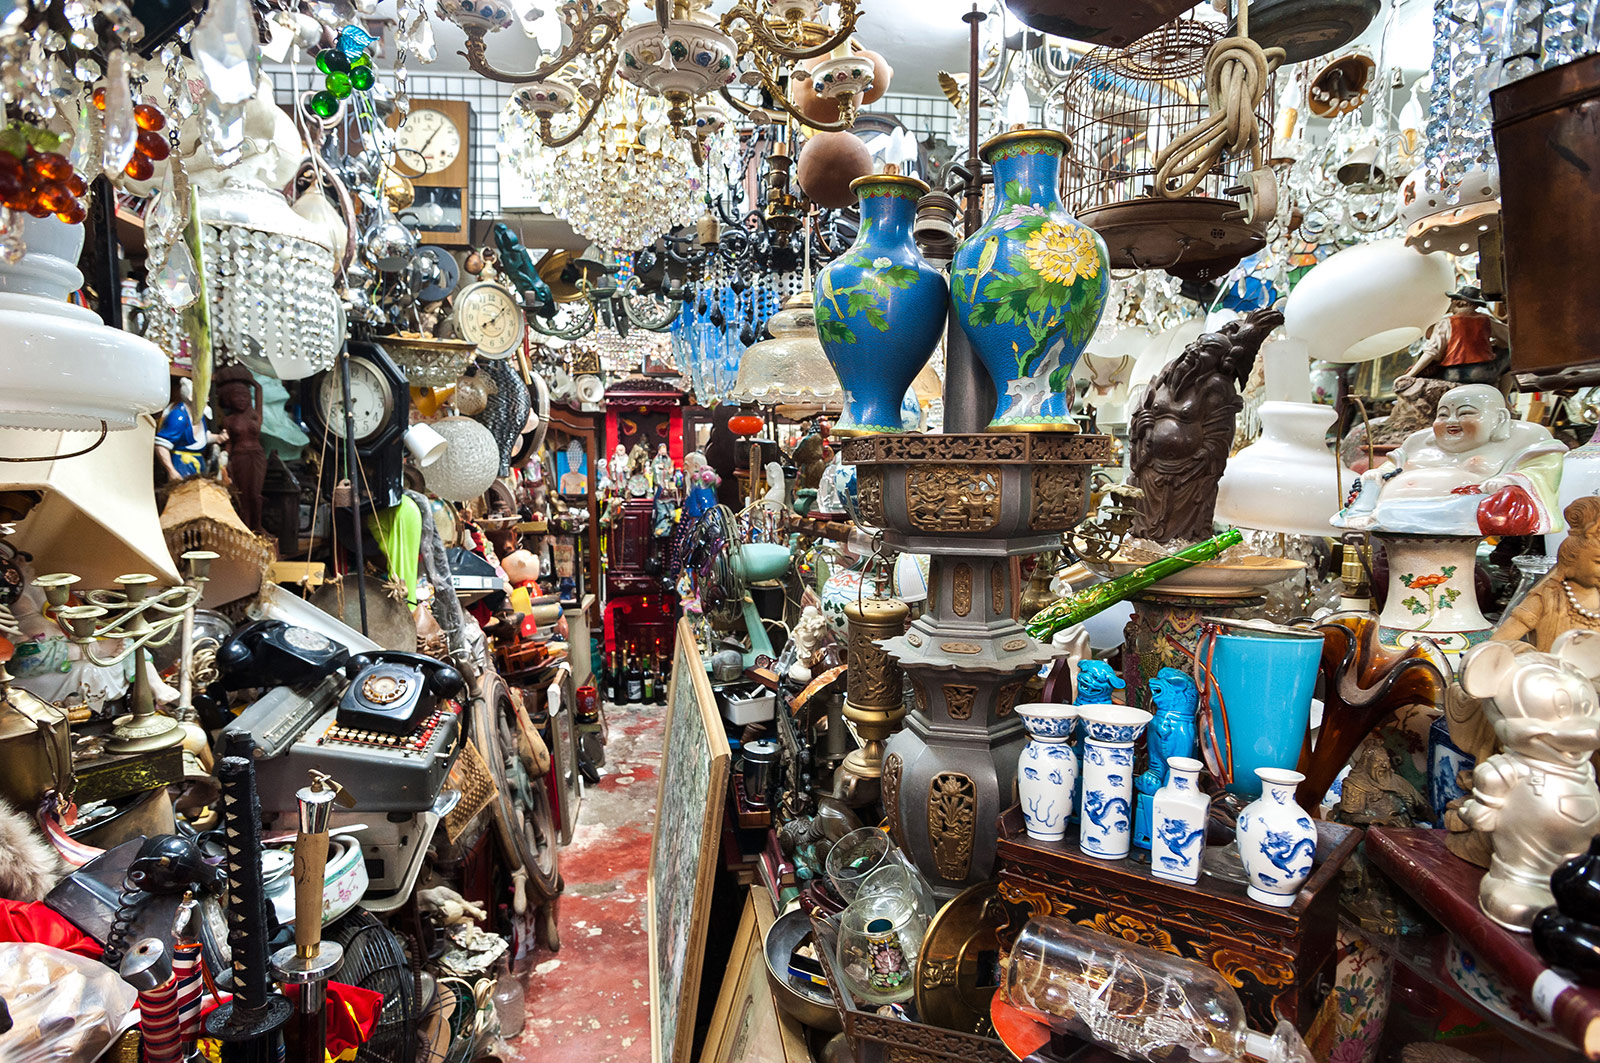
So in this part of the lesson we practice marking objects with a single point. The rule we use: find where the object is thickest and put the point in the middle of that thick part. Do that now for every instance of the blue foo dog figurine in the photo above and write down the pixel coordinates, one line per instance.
(1173, 699)
(1096, 684)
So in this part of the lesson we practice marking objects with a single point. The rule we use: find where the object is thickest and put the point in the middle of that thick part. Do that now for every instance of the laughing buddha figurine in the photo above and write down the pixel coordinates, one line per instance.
(1476, 471)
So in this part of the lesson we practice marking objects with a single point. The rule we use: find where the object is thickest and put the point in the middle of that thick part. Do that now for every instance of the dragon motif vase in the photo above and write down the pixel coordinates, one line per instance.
(880, 307)
(1030, 284)
(1105, 824)
(1277, 840)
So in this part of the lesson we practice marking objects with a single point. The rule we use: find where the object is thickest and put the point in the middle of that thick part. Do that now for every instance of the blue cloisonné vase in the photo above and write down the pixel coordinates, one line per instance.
(1029, 286)
(880, 307)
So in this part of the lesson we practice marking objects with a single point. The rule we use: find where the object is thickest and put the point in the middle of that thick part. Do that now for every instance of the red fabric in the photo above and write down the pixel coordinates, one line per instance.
(1509, 511)
(352, 1016)
(1468, 343)
(43, 926)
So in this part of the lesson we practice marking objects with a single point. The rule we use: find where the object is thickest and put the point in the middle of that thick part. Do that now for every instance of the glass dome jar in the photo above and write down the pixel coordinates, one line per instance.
(1140, 1003)
(879, 939)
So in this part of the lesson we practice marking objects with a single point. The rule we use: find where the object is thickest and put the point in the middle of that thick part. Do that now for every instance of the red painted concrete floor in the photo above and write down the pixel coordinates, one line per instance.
(590, 1002)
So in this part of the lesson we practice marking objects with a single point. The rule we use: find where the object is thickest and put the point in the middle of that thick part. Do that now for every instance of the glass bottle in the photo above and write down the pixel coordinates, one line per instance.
(633, 676)
(663, 674)
(1140, 1003)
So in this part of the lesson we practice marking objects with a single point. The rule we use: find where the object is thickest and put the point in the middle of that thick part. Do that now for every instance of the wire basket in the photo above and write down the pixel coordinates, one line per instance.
(1124, 105)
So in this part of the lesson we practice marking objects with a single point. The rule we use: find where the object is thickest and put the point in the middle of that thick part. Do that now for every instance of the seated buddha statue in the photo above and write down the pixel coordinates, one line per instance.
(1476, 471)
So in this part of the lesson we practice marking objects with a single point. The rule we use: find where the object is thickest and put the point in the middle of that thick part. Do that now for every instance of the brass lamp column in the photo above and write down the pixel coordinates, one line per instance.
(875, 685)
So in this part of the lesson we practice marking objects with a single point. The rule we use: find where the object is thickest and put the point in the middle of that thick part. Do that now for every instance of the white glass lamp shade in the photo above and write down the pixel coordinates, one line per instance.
(1368, 301)
(60, 366)
(469, 464)
(1107, 367)
(1288, 480)
(425, 445)
(791, 368)
(1286, 363)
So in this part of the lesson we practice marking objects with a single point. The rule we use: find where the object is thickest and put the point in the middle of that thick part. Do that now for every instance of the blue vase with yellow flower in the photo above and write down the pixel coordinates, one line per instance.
(880, 307)
(1029, 286)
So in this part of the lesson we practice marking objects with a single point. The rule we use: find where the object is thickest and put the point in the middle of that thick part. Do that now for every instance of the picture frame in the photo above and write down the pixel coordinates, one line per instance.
(747, 1026)
(690, 795)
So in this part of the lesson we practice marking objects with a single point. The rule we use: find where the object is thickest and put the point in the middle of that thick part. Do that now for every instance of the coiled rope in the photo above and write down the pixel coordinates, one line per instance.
(1237, 72)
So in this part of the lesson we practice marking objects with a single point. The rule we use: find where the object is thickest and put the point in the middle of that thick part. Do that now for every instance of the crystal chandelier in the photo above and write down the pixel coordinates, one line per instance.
(626, 180)
(682, 56)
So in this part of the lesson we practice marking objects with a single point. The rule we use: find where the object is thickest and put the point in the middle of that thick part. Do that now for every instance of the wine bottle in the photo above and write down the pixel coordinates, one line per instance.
(608, 678)
(649, 682)
(663, 673)
(633, 677)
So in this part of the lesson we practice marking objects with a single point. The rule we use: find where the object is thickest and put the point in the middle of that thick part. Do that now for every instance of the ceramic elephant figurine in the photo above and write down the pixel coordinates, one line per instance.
(1537, 796)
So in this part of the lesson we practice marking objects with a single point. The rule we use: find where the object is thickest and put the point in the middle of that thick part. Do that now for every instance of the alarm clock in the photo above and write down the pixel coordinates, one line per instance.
(489, 316)
(380, 410)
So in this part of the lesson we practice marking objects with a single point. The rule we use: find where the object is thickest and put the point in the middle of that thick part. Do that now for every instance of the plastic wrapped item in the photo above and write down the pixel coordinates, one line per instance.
(1141, 1004)
(65, 1008)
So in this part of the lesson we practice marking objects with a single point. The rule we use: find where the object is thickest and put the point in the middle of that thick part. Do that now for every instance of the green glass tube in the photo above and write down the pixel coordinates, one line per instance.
(1076, 608)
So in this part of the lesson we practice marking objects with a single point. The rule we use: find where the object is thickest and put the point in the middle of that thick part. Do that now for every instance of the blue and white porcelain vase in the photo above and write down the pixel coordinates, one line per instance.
(880, 307)
(1277, 840)
(1047, 769)
(1029, 286)
(1178, 823)
(1105, 825)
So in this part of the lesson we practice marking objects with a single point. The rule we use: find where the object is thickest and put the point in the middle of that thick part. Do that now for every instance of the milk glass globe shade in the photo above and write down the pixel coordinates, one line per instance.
(1368, 301)
(469, 464)
(1288, 480)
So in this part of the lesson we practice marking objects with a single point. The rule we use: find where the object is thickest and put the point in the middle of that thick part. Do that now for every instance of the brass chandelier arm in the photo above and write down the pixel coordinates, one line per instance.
(594, 33)
(847, 107)
(551, 141)
(767, 40)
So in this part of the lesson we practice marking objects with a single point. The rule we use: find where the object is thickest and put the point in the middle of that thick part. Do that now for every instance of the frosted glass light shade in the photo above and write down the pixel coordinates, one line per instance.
(1285, 481)
(791, 368)
(469, 464)
(1368, 301)
(1163, 347)
(1286, 364)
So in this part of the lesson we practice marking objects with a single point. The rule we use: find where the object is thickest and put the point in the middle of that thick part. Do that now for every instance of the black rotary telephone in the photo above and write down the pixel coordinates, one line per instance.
(392, 692)
(271, 653)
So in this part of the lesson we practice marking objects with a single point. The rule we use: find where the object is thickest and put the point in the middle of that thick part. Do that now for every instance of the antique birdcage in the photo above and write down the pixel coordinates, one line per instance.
(1122, 106)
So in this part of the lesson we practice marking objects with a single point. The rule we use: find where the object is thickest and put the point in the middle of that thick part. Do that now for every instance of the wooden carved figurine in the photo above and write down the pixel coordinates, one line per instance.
(239, 395)
(1182, 429)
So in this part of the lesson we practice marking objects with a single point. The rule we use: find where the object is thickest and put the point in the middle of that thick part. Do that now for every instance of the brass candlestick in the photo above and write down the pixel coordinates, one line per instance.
(141, 619)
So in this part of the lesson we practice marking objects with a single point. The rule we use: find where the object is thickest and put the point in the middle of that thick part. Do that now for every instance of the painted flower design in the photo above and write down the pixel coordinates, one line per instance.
(881, 262)
(1018, 213)
(1061, 254)
(1128, 928)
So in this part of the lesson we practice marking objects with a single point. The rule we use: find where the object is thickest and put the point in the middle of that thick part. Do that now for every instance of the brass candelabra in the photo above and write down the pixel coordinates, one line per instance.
(140, 617)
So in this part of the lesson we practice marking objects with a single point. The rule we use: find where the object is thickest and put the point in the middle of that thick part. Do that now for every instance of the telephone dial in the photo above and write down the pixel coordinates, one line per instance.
(392, 692)
(271, 653)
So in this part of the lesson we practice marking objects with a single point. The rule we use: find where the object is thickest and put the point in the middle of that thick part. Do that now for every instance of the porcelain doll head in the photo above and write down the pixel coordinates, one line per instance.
(1470, 417)
(1545, 705)
(521, 566)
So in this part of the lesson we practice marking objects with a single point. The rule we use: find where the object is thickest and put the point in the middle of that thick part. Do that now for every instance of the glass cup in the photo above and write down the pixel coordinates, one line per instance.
(899, 878)
(879, 939)
(854, 857)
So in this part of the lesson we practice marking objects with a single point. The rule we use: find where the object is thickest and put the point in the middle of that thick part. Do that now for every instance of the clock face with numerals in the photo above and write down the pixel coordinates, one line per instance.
(432, 136)
(488, 315)
(371, 400)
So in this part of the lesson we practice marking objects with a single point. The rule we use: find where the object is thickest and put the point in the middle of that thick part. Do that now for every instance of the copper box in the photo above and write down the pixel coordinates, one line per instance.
(1549, 146)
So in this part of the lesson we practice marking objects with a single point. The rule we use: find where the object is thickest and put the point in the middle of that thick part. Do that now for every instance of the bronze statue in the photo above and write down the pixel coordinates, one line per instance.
(1375, 795)
(1182, 428)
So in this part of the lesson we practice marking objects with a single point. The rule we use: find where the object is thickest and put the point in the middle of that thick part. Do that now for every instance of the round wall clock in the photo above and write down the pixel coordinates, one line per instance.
(433, 136)
(487, 315)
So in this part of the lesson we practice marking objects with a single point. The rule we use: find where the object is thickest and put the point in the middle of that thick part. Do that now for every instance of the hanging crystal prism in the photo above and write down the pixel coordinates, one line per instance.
(176, 280)
(223, 128)
(121, 130)
(224, 44)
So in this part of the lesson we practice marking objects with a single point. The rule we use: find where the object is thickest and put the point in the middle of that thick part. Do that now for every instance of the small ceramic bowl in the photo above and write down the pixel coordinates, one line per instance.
(1112, 723)
(1049, 723)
